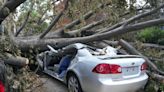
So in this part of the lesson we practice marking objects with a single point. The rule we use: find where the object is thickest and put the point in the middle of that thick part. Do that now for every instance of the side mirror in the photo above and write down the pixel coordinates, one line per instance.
(52, 49)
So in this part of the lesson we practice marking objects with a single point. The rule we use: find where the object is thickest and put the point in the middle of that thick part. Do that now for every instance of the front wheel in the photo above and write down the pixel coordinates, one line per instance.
(73, 84)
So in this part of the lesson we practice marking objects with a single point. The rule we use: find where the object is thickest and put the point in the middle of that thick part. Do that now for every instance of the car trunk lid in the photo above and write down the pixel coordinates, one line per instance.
(130, 66)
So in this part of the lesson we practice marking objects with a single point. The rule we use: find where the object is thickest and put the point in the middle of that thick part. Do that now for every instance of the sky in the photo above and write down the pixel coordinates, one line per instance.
(138, 3)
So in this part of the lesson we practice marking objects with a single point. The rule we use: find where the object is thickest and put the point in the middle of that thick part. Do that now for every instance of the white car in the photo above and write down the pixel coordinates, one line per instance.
(90, 69)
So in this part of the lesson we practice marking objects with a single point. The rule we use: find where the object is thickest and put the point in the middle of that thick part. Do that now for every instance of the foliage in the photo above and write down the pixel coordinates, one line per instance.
(77, 8)
(152, 85)
(22, 80)
(152, 35)
(38, 13)
(6, 46)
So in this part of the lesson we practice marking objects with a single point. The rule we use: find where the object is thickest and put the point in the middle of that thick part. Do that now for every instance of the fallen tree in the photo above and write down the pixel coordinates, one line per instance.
(39, 43)
(26, 44)
(15, 60)
(133, 51)
(158, 75)
(98, 37)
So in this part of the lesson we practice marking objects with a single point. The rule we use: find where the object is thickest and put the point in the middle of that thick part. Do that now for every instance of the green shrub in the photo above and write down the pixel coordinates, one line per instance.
(161, 41)
(152, 35)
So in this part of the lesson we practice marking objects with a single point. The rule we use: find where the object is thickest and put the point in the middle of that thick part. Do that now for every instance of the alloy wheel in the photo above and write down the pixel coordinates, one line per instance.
(73, 84)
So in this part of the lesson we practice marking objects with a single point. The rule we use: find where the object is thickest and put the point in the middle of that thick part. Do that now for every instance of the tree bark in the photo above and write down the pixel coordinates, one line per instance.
(26, 44)
(23, 25)
(153, 46)
(74, 33)
(9, 7)
(51, 25)
(56, 19)
(59, 32)
(158, 77)
(15, 60)
(132, 19)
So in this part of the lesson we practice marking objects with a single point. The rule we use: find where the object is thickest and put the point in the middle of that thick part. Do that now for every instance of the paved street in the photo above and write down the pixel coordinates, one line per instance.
(53, 85)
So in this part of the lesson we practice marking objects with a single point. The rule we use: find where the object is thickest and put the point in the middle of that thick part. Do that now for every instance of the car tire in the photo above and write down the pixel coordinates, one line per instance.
(73, 84)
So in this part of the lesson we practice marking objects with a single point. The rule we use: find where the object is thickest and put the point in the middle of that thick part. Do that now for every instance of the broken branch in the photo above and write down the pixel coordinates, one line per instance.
(78, 21)
(56, 19)
(156, 76)
(87, 27)
(132, 50)
(23, 25)
(15, 60)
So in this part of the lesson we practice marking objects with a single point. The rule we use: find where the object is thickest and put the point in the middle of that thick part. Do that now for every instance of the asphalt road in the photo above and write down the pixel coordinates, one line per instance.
(53, 85)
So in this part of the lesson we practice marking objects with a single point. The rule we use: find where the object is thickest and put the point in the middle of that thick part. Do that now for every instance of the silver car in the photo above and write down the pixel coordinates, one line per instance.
(92, 69)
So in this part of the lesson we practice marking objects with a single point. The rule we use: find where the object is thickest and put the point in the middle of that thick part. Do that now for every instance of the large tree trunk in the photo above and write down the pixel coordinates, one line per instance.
(15, 60)
(27, 43)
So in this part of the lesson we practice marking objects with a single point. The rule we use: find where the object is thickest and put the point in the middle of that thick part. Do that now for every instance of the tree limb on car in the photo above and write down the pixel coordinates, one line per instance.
(132, 50)
(26, 44)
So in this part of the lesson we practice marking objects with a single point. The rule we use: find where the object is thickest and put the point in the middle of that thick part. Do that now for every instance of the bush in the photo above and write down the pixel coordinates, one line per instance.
(152, 35)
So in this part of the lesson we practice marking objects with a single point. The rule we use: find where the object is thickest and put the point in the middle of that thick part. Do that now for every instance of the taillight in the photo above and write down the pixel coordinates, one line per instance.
(2, 88)
(107, 69)
(143, 66)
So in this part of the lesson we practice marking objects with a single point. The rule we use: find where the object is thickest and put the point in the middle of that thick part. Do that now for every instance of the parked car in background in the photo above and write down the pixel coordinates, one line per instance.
(88, 69)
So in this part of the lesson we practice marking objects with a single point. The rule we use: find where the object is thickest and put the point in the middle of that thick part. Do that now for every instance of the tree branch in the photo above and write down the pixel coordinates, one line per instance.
(9, 7)
(74, 33)
(142, 15)
(40, 19)
(156, 76)
(153, 46)
(56, 19)
(25, 44)
(78, 21)
(15, 60)
(23, 25)
(132, 50)
(111, 28)
(124, 23)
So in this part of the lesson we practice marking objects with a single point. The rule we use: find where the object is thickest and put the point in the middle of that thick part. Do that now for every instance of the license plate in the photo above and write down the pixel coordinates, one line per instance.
(130, 70)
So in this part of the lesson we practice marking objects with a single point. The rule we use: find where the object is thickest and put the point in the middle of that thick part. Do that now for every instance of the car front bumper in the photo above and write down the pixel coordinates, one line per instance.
(108, 85)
